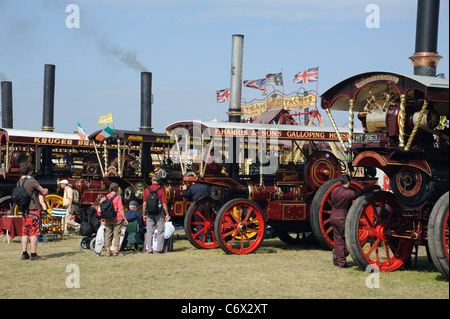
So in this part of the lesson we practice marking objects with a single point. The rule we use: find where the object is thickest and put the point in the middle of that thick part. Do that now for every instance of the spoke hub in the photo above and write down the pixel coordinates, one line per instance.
(379, 233)
(242, 228)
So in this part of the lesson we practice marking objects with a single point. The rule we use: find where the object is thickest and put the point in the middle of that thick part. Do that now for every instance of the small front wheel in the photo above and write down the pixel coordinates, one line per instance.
(199, 223)
(239, 226)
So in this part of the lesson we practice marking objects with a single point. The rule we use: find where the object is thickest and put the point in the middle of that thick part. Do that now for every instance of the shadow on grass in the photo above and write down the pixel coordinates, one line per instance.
(62, 254)
(273, 244)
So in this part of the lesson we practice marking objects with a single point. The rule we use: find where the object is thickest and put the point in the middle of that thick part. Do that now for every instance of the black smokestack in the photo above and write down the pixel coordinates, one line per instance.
(146, 101)
(49, 97)
(146, 121)
(47, 117)
(7, 114)
(426, 57)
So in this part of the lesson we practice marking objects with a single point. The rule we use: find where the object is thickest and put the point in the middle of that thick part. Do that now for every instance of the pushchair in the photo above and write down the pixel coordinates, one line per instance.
(89, 226)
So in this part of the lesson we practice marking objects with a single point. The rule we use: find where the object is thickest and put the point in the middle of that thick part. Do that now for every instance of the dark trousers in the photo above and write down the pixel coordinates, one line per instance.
(340, 248)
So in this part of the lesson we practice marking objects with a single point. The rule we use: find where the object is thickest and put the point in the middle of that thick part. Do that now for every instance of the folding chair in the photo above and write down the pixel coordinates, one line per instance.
(54, 222)
(133, 235)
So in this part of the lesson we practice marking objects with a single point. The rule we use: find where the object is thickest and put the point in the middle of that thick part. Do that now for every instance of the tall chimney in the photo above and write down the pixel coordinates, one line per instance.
(234, 111)
(146, 122)
(49, 97)
(426, 57)
(237, 52)
(7, 113)
(47, 117)
(146, 101)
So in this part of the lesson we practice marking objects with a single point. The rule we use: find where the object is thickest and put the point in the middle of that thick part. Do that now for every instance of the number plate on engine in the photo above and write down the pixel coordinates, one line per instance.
(366, 138)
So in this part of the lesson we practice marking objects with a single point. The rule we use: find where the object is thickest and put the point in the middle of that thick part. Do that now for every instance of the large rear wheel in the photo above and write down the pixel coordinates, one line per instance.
(376, 232)
(321, 212)
(438, 235)
(239, 226)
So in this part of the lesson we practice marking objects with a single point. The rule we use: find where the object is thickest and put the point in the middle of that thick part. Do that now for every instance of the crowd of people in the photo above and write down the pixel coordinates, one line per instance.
(152, 220)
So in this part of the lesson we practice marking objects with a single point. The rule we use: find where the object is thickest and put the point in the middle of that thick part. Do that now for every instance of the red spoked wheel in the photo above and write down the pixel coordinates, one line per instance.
(438, 235)
(199, 223)
(321, 212)
(239, 226)
(376, 232)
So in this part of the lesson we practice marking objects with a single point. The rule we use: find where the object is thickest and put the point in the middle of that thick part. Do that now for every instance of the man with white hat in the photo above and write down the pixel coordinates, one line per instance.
(68, 206)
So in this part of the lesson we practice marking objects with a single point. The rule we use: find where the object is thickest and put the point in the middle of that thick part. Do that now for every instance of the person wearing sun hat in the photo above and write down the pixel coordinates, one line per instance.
(68, 206)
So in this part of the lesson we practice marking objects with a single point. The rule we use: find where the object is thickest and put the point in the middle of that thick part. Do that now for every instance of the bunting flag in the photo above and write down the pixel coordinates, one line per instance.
(81, 133)
(309, 75)
(105, 119)
(223, 95)
(274, 79)
(256, 84)
(104, 134)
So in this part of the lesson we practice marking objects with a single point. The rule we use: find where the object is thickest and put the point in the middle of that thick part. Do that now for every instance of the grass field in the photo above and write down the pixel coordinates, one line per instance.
(275, 271)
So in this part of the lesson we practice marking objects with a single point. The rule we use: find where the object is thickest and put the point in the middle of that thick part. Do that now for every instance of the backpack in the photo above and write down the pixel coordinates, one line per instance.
(20, 197)
(107, 210)
(152, 207)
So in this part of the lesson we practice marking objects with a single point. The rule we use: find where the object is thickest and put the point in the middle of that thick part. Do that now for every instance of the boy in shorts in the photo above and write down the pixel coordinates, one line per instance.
(31, 219)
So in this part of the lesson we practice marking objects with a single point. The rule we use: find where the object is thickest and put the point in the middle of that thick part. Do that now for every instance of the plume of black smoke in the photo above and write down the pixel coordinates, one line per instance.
(128, 58)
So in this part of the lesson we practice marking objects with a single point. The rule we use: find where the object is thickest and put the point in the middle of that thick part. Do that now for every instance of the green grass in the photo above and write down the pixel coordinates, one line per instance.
(275, 270)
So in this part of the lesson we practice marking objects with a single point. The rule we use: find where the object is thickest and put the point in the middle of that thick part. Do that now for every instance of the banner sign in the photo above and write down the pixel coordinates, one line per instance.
(275, 101)
(319, 135)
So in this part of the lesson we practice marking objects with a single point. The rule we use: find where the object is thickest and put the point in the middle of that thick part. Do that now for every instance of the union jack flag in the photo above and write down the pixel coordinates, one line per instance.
(309, 75)
(223, 95)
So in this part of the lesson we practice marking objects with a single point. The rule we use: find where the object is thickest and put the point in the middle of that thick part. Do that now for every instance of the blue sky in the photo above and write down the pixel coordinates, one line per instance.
(186, 44)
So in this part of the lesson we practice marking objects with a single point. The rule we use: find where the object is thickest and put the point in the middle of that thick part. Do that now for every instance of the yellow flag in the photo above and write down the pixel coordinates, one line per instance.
(109, 118)
(101, 120)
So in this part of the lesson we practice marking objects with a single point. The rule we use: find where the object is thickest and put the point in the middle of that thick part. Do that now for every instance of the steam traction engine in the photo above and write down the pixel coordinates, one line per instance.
(269, 179)
(260, 175)
(400, 115)
(88, 165)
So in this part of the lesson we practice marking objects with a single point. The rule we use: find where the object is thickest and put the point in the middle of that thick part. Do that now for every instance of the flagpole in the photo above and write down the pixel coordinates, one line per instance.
(317, 86)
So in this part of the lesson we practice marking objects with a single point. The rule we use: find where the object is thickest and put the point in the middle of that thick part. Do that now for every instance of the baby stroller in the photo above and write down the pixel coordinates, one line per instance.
(90, 223)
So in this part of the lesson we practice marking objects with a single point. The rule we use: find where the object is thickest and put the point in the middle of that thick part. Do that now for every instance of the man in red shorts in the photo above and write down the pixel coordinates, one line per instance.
(31, 218)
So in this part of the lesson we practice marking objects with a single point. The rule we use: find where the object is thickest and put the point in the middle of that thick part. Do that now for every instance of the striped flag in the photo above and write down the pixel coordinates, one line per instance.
(274, 79)
(81, 133)
(104, 134)
(256, 84)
